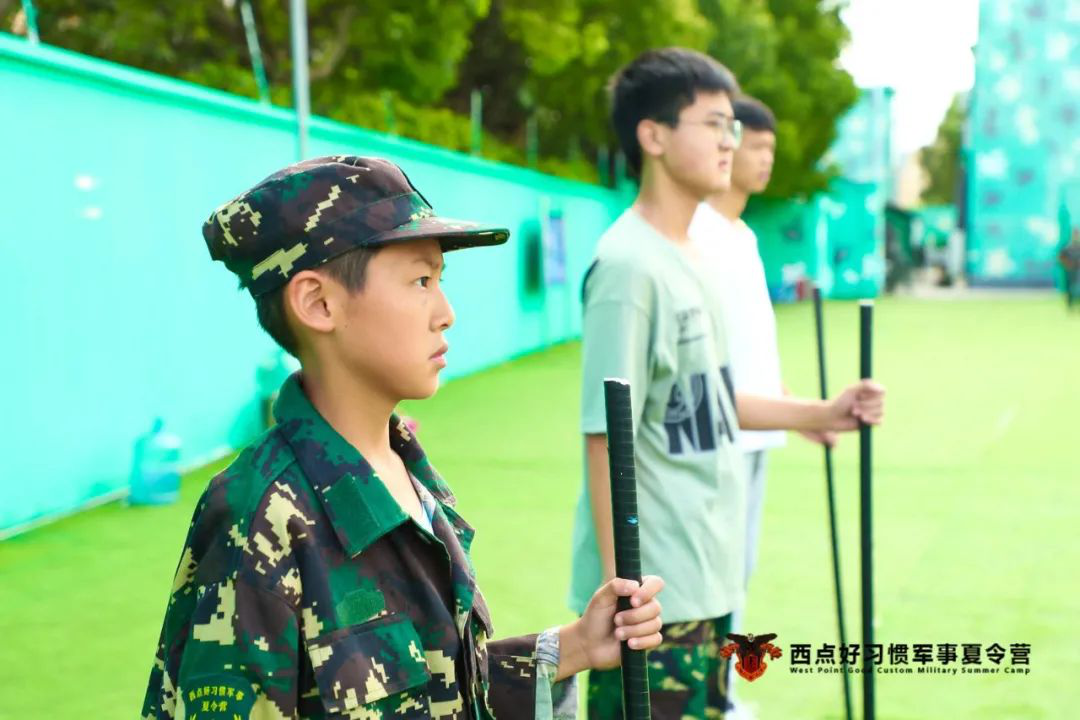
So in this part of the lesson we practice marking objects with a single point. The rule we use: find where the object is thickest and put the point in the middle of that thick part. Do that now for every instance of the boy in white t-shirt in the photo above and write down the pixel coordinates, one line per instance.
(731, 249)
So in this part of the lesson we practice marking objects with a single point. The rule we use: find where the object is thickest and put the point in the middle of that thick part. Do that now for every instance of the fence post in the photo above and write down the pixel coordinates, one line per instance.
(476, 115)
(532, 141)
(301, 97)
(30, 13)
(252, 35)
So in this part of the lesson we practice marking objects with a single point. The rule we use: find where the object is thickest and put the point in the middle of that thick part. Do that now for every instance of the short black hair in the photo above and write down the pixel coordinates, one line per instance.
(754, 114)
(349, 269)
(657, 85)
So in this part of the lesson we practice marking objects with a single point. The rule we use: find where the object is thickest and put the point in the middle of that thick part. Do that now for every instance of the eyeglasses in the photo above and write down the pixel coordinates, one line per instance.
(721, 125)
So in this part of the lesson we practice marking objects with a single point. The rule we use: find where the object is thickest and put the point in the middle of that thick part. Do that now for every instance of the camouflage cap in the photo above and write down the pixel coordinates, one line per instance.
(311, 212)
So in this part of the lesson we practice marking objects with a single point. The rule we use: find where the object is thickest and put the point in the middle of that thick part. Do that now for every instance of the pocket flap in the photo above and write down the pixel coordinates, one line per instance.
(362, 664)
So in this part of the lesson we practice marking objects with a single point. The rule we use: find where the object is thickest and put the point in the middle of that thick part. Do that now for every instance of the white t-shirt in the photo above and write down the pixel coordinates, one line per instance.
(731, 251)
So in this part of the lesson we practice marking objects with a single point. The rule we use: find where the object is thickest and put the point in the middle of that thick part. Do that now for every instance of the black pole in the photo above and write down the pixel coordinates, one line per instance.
(819, 323)
(624, 520)
(866, 315)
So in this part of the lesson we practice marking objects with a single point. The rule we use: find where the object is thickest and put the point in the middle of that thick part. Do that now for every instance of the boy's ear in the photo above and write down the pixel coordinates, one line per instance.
(308, 297)
(650, 136)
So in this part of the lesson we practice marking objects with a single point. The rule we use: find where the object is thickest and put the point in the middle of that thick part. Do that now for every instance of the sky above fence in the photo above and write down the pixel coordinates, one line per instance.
(921, 49)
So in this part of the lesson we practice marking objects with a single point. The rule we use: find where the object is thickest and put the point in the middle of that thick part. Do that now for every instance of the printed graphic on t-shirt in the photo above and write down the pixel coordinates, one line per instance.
(690, 327)
(725, 375)
(689, 420)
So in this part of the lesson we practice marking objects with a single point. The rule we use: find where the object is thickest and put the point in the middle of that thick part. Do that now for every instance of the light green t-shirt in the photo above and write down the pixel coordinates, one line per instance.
(650, 317)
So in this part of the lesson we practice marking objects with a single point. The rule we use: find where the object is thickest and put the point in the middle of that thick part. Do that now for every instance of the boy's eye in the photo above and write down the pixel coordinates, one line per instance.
(423, 281)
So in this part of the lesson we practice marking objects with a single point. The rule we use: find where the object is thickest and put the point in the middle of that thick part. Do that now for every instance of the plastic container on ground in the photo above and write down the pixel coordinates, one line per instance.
(155, 475)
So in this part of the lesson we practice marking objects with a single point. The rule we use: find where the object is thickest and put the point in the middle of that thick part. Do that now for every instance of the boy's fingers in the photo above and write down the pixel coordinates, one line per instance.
(639, 594)
(871, 387)
(643, 629)
(615, 588)
(621, 587)
(650, 586)
(864, 411)
(870, 412)
(636, 616)
(870, 401)
(646, 643)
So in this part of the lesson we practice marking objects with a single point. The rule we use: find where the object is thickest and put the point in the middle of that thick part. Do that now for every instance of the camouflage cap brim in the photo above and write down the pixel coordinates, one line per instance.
(311, 212)
(451, 234)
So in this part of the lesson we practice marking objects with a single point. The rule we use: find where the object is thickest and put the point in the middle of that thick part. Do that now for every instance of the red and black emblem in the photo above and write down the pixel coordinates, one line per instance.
(751, 649)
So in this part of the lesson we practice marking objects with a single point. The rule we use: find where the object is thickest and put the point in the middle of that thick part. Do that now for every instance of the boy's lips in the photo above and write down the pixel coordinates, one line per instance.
(440, 355)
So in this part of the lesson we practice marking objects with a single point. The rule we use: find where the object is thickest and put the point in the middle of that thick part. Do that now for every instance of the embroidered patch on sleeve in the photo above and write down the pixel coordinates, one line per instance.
(217, 697)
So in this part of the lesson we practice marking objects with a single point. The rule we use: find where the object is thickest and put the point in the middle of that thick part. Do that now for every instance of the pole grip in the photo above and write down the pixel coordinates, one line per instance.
(624, 517)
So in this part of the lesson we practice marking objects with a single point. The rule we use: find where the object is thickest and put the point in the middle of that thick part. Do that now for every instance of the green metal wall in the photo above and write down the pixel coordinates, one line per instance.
(114, 312)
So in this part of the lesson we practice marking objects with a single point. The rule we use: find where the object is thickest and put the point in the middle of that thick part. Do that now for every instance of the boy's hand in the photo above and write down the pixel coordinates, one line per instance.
(821, 437)
(592, 641)
(862, 402)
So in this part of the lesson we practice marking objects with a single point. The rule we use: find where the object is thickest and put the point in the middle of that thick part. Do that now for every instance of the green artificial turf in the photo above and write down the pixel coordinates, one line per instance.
(975, 509)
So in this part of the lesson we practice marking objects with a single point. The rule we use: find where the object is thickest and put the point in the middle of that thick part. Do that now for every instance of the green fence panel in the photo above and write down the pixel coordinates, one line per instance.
(854, 215)
(788, 244)
(837, 238)
(121, 316)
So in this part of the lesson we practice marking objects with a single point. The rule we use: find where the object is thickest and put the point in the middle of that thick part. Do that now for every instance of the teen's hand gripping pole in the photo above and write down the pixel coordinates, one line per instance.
(866, 314)
(624, 520)
(819, 324)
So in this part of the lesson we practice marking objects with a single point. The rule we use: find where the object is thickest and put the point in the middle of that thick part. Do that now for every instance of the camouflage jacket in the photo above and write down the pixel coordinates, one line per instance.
(304, 590)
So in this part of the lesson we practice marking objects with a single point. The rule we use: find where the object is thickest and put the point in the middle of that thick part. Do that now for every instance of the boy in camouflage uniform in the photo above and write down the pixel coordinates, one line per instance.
(653, 315)
(326, 572)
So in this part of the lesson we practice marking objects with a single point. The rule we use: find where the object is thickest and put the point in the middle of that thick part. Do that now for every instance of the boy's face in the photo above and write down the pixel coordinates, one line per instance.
(390, 333)
(697, 153)
(753, 164)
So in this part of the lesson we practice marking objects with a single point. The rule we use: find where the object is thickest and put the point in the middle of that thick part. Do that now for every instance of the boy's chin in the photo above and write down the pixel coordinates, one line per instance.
(759, 187)
(422, 391)
(715, 185)
(723, 183)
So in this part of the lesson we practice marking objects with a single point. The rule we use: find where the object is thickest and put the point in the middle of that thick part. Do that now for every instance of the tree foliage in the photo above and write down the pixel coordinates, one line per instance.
(940, 160)
(784, 53)
(415, 64)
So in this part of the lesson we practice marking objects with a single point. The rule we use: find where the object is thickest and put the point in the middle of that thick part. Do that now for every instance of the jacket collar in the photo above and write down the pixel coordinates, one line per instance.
(357, 502)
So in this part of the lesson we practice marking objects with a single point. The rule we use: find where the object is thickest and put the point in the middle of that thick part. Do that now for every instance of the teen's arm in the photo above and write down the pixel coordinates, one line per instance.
(863, 401)
(821, 437)
(599, 479)
(615, 344)
(616, 341)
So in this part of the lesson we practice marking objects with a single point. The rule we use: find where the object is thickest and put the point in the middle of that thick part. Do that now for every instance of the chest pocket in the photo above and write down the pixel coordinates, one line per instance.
(378, 665)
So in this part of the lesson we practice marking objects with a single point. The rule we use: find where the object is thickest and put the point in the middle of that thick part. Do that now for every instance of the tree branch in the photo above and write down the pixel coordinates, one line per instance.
(333, 51)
